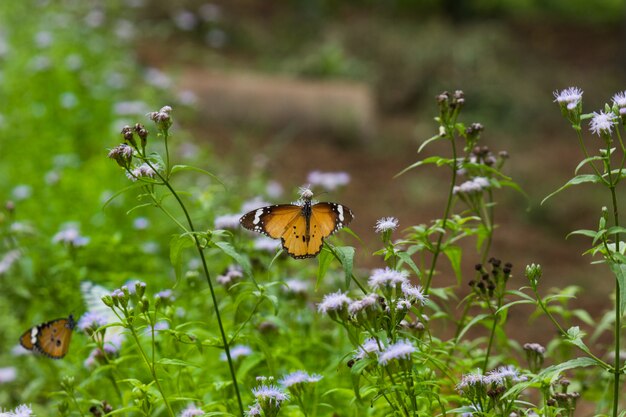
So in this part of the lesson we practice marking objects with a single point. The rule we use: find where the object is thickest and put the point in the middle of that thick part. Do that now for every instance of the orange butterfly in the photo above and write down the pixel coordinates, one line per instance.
(301, 227)
(51, 339)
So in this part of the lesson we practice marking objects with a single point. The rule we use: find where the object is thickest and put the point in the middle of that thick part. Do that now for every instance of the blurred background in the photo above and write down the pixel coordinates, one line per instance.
(264, 93)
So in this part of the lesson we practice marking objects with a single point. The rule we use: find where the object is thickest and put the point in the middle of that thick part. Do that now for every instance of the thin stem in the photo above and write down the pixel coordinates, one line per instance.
(490, 344)
(446, 212)
(208, 279)
(152, 369)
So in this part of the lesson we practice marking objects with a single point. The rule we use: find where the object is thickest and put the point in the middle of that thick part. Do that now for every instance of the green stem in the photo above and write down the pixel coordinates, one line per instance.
(152, 369)
(446, 213)
(490, 344)
(208, 279)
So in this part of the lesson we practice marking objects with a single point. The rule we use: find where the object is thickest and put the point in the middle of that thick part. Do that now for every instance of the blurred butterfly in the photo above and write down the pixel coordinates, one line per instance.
(51, 339)
(301, 227)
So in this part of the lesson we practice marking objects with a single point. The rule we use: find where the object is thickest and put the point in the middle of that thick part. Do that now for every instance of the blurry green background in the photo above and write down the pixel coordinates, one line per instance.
(267, 90)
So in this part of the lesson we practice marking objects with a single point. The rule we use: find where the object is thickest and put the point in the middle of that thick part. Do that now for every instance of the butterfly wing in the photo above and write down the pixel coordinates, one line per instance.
(272, 221)
(51, 339)
(326, 219)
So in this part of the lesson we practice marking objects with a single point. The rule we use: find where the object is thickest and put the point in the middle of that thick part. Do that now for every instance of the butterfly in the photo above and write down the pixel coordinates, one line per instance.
(51, 339)
(302, 226)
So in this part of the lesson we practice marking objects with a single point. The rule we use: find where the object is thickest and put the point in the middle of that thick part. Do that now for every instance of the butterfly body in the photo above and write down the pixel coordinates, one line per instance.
(51, 339)
(301, 227)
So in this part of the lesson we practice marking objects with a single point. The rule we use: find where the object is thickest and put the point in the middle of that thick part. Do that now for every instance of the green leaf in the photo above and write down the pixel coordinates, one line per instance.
(579, 179)
(177, 244)
(472, 322)
(324, 259)
(406, 258)
(429, 141)
(179, 168)
(229, 250)
(175, 362)
(586, 161)
(346, 257)
(620, 274)
(430, 160)
(120, 192)
(583, 232)
(454, 256)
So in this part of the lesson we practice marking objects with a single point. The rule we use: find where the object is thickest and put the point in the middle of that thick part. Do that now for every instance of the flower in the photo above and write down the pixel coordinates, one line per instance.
(305, 192)
(475, 185)
(386, 224)
(165, 296)
(296, 286)
(535, 347)
(269, 394)
(141, 223)
(254, 410)
(502, 374)
(22, 192)
(234, 273)
(620, 99)
(333, 302)
(143, 170)
(415, 293)
(602, 123)
(369, 346)
(266, 244)
(21, 411)
(298, 377)
(236, 352)
(253, 204)
(70, 235)
(8, 260)
(470, 381)
(8, 374)
(387, 278)
(403, 304)
(191, 411)
(367, 301)
(227, 221)
(328, 180)
(570, 97)
(402, 349)
(90, 321)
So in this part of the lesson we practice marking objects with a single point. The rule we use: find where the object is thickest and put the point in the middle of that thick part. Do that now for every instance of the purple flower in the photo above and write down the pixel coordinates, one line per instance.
(470, 382)
(7, 374)
(296, 286)
(191, 411)
(8, 260)
(401, 350)
(333, 302)
(620, 99)
(236, 352)
(227, 221)
(266, 244)
(369, 346)
(70, 235)
(414, 293)
(143, 170)
(328, 180)
(270, 394)
(254, 410)
(166, 296)
(369, 301)
(91, 320)
(298, 377)
(21, 411)
(232, 275)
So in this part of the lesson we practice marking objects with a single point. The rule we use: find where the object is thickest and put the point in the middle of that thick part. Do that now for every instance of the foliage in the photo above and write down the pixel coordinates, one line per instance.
(222, 322)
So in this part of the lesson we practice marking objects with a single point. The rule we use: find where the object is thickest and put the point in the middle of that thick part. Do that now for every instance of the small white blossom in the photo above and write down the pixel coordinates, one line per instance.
(296, 286)
(328, 180)
(266, 244)
(503, 373)
(21, 411)
(402, 349)
(22, 192)
(469, 381)
(387, 278)
(473, 186)
(415, 293)
(8, 260)
(403, 304)
(298, 377)
(333, 302)
(8, 374)
(305, 192)
(236, 352)
(270, 394)
(535, 347)
(191, 411)
(233, 274)
(253, 204)
(620, 99)
(92, 320)
(70, 235)
(368, 301)
(369, 346)
(141, 223)
(143, 170)
(602, 123)
(385, 224)
(227, 221)
(569, 97)
(253, 410)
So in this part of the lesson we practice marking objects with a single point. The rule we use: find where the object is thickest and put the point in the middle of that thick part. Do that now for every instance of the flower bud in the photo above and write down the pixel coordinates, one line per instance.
(127, 133)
